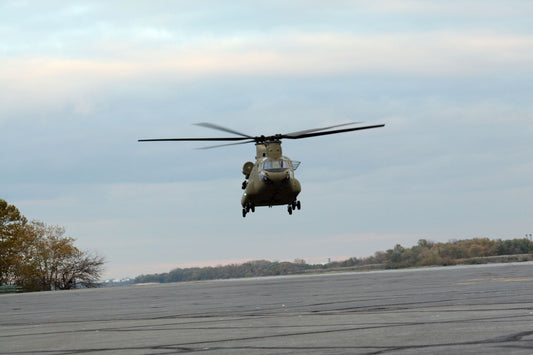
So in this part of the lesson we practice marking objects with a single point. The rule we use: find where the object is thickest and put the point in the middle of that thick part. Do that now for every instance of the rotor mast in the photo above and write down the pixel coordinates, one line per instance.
(270, 149)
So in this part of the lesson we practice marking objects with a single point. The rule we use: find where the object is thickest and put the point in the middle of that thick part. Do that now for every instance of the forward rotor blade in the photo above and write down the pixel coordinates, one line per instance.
(316, 134)
(299, 133)
(192, 139)
(224, 145)
(261, 139)
(224, 129)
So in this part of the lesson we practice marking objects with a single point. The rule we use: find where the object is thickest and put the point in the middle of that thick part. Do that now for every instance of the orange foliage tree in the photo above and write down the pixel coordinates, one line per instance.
(40, 257)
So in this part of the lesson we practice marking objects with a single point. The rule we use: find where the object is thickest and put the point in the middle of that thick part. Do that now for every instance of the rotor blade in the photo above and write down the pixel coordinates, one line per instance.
(316, 134)
(192, 139)
(224, 145)
(299, 133)
(224, 129)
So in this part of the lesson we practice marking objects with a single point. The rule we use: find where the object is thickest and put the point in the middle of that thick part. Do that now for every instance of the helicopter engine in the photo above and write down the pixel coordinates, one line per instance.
(247, 169)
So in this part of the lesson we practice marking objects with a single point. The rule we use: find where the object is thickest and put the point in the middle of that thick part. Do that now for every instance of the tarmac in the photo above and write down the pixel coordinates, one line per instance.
(447, 310)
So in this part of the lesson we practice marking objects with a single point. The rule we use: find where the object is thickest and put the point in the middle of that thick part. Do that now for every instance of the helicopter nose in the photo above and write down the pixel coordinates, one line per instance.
(275, 178)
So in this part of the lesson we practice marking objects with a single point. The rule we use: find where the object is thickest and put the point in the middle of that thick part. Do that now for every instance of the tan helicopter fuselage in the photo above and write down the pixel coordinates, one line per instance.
(270, 181)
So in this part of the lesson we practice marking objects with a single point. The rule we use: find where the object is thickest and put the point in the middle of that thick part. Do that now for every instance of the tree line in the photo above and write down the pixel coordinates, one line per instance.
(425, 253)
(248, 269)
(39, 257)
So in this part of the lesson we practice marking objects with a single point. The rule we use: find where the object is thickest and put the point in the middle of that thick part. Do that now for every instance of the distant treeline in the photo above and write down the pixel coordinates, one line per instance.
(425, 253)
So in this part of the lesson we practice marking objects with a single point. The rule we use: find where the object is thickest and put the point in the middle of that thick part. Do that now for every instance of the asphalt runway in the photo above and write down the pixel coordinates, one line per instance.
(469, 309)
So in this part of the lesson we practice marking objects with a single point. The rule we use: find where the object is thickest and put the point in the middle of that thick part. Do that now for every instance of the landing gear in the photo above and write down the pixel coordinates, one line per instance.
(244, 184)
(249, 207)
(293, 206)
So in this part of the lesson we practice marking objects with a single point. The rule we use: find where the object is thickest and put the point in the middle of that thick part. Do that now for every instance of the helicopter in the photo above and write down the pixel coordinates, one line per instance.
(270, 181)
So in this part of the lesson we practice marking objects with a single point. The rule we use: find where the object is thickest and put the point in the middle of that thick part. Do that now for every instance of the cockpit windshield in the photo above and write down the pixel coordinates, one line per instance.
(275, 165)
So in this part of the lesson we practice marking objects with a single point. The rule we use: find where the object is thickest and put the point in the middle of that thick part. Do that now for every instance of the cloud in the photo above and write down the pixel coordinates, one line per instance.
(53, 82)
(452, 7)
(293, 54)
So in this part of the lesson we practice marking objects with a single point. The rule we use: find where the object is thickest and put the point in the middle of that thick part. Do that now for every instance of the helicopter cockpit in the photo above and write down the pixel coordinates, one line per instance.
(275, 166)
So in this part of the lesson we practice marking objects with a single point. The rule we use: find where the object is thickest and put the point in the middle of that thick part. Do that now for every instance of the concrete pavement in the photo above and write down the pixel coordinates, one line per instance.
(467, 309)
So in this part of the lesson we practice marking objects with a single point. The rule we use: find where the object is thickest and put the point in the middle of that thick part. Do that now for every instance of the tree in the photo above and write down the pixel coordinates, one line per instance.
(394, 257)
(38, 256)
(53, 262)
(11, 224)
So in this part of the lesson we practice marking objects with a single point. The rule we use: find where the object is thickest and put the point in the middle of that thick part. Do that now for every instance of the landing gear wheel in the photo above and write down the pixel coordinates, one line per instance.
(252, 207)
(244, 184)
(243, 212)
(289, 209)
(298, 205)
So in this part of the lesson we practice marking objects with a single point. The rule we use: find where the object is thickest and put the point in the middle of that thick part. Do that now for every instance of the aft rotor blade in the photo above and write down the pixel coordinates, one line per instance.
(299, 133)
(192, 139)
(316, 134)
(225, 145)
(224, 129)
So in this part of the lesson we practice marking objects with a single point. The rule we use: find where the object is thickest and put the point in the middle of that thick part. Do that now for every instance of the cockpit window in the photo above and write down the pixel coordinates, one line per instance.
(275, 165)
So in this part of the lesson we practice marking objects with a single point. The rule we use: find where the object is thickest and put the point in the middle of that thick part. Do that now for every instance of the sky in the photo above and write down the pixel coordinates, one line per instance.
(81, 82)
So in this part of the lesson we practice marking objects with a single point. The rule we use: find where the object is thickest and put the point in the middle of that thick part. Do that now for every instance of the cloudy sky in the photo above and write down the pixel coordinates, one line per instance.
(81, 81)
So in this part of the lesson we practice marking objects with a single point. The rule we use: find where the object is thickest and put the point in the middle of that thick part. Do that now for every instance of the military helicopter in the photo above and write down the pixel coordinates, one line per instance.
(270, 180)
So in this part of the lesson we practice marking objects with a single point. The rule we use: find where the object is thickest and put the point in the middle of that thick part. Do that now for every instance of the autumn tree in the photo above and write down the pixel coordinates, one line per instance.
(12, 223)
(53, 262)
(38, 256)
